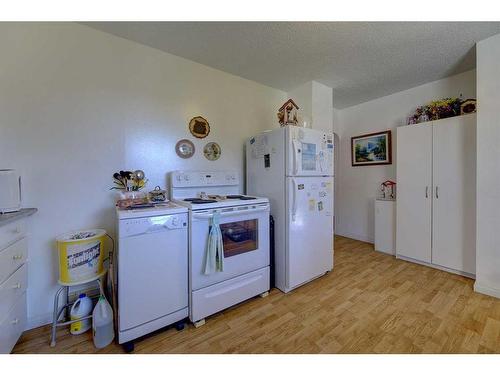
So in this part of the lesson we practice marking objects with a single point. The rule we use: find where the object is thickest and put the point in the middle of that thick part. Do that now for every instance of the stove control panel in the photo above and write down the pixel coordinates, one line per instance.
(198, 179)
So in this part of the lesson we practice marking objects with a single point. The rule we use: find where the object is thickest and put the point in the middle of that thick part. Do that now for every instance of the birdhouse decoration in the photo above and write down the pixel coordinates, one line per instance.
(287, 114)
(387, 189)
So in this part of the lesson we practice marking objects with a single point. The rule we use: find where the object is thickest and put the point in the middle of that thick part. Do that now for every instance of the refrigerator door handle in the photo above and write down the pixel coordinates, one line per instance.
(294, 201)
(20, 190)
(295, 156)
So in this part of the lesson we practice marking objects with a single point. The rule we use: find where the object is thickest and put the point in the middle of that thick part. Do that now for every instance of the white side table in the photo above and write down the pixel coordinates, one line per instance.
(385, 225)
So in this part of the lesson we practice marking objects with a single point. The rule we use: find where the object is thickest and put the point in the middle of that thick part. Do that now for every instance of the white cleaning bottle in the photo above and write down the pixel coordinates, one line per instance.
(81, 307)
(102, 323)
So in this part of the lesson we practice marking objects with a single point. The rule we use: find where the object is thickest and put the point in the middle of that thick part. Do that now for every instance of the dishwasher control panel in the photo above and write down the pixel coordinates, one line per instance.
(145, 225)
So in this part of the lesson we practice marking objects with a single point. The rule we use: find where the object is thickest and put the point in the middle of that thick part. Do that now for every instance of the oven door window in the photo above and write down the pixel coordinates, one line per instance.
(240, 237)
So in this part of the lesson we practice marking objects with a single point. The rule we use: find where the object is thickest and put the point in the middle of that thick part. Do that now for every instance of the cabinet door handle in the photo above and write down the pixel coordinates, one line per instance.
(16, 286)
(15, 321)
(427, 191)
(437, 195)
(17, 257)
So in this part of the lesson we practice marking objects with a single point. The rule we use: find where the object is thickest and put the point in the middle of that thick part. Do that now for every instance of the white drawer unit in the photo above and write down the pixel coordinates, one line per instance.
(13, 288)
(12, 257)
(13, 276)
(12, 232)
(12, 326)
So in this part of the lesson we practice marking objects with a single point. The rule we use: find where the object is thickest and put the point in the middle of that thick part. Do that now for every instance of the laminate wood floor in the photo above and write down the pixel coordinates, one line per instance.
(370, 303)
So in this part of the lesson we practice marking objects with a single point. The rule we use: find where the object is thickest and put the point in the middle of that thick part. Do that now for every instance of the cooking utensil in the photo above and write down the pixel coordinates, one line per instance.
(139, 175)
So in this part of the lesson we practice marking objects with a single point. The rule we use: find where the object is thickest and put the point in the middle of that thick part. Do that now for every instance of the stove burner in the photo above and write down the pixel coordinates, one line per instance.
(241, 197)
(200, 201)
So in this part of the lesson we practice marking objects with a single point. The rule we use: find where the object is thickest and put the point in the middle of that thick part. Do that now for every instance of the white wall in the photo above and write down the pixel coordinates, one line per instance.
(315, 101)
(322, 107)
(302, 96)
(358, 186)
(77, 105)
(337, 172)
(488, 167)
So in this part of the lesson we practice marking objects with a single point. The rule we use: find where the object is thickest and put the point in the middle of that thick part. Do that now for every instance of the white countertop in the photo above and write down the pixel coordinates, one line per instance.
(169, 208)
(13, 216)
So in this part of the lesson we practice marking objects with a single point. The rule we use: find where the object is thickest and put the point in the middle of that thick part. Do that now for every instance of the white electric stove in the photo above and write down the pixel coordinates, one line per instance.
(244, 224)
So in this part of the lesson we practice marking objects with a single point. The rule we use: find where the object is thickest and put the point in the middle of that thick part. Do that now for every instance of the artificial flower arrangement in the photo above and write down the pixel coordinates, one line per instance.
(129, 185)
(129, 181)
(437, 109)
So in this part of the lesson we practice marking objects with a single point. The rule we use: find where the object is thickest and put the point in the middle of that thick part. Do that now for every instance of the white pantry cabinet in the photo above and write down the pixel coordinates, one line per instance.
(414, 182)
(436, 210)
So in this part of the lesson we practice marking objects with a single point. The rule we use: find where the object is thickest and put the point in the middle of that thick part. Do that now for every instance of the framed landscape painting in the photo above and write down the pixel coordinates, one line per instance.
(371, 149)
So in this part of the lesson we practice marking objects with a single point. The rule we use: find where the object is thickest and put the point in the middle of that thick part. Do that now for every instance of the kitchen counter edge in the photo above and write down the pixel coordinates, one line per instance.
(13, 216)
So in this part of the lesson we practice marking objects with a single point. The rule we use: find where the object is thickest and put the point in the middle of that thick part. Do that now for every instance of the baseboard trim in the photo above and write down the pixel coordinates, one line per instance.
(356, 237)
(486, 289)
(38, 321)
(441, 268)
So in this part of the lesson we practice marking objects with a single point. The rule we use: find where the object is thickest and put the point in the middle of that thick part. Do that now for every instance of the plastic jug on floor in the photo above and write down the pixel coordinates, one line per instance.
(81, 307)
(102, 323)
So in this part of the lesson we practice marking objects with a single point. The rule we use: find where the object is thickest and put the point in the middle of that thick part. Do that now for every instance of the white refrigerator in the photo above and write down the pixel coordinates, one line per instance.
(293, 167)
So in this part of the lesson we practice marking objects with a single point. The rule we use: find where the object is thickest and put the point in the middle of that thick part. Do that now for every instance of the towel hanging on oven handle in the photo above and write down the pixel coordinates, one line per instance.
(214, 257)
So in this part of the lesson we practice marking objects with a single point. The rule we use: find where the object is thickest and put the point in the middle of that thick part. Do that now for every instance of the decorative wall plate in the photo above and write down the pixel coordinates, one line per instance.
(184, 148)
(212, 151)
(199, 127)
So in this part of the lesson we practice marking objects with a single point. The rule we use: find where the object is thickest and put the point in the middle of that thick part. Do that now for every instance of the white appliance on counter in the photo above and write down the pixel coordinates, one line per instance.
(152, 270)
(293, 166)
(244, 225)
(10, 191)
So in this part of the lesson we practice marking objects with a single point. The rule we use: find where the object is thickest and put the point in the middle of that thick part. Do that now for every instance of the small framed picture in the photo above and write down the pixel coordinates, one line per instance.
(371, 149)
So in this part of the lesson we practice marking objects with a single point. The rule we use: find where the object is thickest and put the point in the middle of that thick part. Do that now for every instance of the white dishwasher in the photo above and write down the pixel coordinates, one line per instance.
(152, 270)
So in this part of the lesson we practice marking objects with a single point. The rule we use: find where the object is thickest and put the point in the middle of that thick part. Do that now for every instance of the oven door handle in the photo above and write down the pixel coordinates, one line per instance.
(230, 213)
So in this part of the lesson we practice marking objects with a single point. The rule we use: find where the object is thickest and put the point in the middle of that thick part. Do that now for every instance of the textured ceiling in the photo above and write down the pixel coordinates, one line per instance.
(360, 60)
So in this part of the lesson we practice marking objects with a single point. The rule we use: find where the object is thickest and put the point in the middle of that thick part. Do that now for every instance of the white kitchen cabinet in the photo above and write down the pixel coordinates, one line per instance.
(436, 193)
(385, 225)
(13, 277)
(414, 182)
(454, 196)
